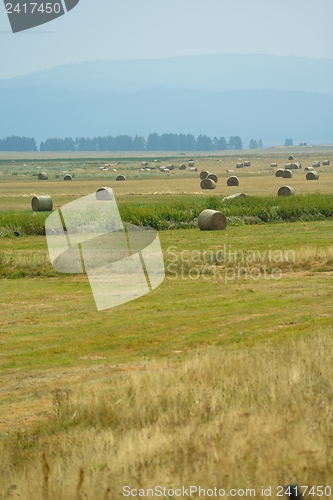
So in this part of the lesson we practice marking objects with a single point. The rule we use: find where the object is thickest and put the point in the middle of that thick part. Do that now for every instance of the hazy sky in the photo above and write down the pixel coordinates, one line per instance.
(130, 29)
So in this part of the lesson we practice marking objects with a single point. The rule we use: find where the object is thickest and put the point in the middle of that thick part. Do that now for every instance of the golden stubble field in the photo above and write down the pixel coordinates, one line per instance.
(18, 182)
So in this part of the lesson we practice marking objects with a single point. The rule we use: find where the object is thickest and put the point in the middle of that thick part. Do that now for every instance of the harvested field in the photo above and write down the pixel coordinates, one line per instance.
(193, 383)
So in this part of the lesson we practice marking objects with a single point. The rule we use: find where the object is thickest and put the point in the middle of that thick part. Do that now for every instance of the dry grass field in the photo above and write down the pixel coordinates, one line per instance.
(19, 183)
(219, 378)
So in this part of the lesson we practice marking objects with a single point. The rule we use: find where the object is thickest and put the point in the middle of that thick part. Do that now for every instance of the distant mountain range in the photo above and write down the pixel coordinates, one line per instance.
(253, 96)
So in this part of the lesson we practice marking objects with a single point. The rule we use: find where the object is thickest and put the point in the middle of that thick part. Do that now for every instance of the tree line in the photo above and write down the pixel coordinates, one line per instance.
(154, 142)
(15, 143)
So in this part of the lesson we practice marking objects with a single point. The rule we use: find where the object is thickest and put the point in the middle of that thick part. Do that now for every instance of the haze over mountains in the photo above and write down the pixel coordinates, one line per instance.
(253, 96)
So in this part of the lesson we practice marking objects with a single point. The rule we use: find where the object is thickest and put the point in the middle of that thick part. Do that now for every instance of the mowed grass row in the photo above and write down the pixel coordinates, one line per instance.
(182, 213)
(217, 283)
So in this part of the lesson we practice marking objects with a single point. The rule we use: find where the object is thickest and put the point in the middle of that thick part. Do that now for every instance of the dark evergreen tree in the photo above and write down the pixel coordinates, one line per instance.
(235, 142)
(153, 142)
(139, 143)
(16, 143)
(204, 143)
(123, 143)
(222, 144)
(253, 144)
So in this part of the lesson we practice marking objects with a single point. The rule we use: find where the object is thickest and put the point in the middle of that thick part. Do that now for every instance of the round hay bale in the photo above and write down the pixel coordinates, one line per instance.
(104, 193)
(316, 164)
(182, 166)
(289, 166)
(213, 177)
(326, 162)
(297, 166)
(274, 164)
(67, 177)
(286, 191)
(190, 163)
(279, 172)
(42, 203)
(312, 176)
(247, 163)
(287, 174)
(170, 167)
(204, 174)
(309, 168)
(43, 176)
(232, 181)
(290, 157)
(239, 165)
(212, 220)
(120, 178)
(193, 169)
(207, 184)
(144, 164)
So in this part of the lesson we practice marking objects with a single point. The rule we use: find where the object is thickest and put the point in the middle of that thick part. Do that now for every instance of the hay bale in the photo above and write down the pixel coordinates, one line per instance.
(193, 169)
(207, 184)
(144, 164)
(42, 203)
(274, 165)
(247, 163)
(67, 177)
(286, 191)
(326, 162)
(287, 174)
(43, 176)
(297, 166)
(212, 220)
(213, 177)
(308, 168)
(239, 165)
(236, 195)
(204, 174)
(232, 181)
(289, 166)
(120, 177)
(279, 172)
(104, 193)
(170, 167)
(182, 166)
(190, 163)
(316, 164)
(312, 176)
(290, 157)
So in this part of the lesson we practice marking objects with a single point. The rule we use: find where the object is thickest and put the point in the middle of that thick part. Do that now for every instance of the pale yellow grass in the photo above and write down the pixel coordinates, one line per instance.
(18, 194)
(225, 419)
